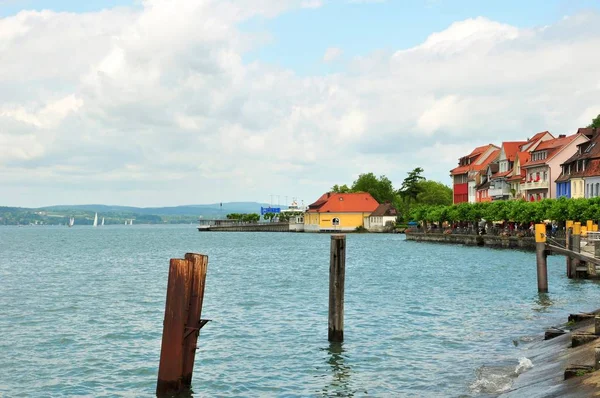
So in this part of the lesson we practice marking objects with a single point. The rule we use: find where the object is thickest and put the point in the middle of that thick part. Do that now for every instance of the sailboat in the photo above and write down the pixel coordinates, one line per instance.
(71, 221)
(96, 220)
(131, 222)
(102, 221)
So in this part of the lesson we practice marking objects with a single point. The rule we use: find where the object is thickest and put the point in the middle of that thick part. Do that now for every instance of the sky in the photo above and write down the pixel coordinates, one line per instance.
(171, 102)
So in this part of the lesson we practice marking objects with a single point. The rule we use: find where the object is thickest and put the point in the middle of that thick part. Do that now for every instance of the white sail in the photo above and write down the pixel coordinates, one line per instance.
(71, 221)
(102, 221)
(125, 222)
(96, 220)
(131, 222)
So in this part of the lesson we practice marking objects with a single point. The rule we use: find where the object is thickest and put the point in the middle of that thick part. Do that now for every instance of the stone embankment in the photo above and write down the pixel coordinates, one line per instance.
(508, 242)
(258, 227)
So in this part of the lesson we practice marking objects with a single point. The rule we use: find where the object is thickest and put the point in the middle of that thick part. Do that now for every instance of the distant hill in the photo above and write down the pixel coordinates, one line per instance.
(84, 214)
(187, 210)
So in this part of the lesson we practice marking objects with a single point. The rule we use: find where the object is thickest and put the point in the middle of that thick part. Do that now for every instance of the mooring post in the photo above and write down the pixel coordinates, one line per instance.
(597, 358)
(541, 258)
(197, 264)
(176, 308)
(597, 248)
(576, 247)
(568, 245)
(337, 269)
(182, 323)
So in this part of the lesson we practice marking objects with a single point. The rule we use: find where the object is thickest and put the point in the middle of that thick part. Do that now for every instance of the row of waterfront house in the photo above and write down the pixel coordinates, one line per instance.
(541, 167)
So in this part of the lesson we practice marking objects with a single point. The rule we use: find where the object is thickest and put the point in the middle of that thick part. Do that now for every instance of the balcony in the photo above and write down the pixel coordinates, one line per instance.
(499, 192)
(535, 185)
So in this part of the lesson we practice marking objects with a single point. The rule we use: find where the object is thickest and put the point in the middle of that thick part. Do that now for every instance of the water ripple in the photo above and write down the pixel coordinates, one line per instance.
(81, 313)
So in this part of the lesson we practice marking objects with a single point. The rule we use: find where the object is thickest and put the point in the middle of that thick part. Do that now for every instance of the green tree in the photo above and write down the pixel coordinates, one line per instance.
(595, 122)
(411, 185)
(340, 188)
(381, 188)
(433, 193)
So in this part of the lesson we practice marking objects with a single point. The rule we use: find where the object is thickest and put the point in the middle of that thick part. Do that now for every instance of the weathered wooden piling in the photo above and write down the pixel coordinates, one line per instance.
(597, 358)
(576, 247)
(541, 258)
(597, 248)
(337, 270)
(597, 325)
(568, 245)
(198, 264)
(185, 291)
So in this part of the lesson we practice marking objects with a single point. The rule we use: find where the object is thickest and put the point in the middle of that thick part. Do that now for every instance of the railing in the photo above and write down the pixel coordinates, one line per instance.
(499, 192)
(593, 236)
(536, 185)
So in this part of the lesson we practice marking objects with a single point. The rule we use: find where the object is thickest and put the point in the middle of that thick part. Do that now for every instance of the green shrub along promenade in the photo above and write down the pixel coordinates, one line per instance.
(520, 212)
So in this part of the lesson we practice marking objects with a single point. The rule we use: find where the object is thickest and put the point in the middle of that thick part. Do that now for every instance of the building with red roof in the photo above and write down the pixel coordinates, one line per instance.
(473, 162)
(339, 212)
(544, 165)
(516, 178)
(580, 175)
(499, 185)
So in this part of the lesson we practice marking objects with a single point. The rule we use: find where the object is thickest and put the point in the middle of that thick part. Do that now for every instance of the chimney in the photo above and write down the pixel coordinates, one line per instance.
(562, 136)
(328, 194)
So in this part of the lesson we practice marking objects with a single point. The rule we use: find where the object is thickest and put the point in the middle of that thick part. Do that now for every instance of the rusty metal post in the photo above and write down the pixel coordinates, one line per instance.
(198, 264)
(541, 258)
(337, 270)
(176, 309)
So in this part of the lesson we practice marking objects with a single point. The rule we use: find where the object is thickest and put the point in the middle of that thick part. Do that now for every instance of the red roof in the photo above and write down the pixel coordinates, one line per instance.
(359, 202)
(511, 148)
(493, 156)
(552, 147)
(474, 156)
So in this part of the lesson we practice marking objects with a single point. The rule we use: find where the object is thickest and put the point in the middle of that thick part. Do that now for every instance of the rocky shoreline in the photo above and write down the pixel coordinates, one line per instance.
(563, 365)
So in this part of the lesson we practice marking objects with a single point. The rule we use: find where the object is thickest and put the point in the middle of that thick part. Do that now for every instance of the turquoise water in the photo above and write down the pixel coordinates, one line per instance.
(81, 313)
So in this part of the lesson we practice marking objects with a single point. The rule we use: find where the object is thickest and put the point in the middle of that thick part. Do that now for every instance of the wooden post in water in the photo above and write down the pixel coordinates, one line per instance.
(198, 264)
(541, 258)
(568, 245)
(337, 270)
(185, 291)
(576, 247)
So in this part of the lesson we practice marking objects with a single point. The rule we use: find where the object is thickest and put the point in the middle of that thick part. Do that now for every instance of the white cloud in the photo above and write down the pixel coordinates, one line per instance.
(332, 54)
(311, 4)
(129, 106)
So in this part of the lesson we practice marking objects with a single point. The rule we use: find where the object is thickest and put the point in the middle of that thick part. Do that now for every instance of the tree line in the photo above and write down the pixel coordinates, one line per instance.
(415, 191)
(520, 211)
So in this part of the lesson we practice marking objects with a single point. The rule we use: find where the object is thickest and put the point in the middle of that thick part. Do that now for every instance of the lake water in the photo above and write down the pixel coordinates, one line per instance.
(81, 313)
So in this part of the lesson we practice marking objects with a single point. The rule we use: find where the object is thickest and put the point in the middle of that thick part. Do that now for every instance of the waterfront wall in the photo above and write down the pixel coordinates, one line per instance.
(507, 242)
(258, 227)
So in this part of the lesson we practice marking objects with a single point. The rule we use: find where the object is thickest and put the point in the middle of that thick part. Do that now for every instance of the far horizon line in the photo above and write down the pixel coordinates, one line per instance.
(142, 207)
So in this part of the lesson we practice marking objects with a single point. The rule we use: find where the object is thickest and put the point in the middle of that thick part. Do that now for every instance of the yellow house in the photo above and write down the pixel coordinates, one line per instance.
(577, 187)
(339, 212)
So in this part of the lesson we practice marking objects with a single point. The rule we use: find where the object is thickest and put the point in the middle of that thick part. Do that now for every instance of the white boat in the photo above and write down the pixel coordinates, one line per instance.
(71, 221)
(96, 220)
(125, 222)
(102, 221)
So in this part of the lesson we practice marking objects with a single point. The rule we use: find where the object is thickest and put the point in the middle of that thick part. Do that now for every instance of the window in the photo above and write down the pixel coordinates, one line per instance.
(335, 221)
(589, 148)
(545, 176)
